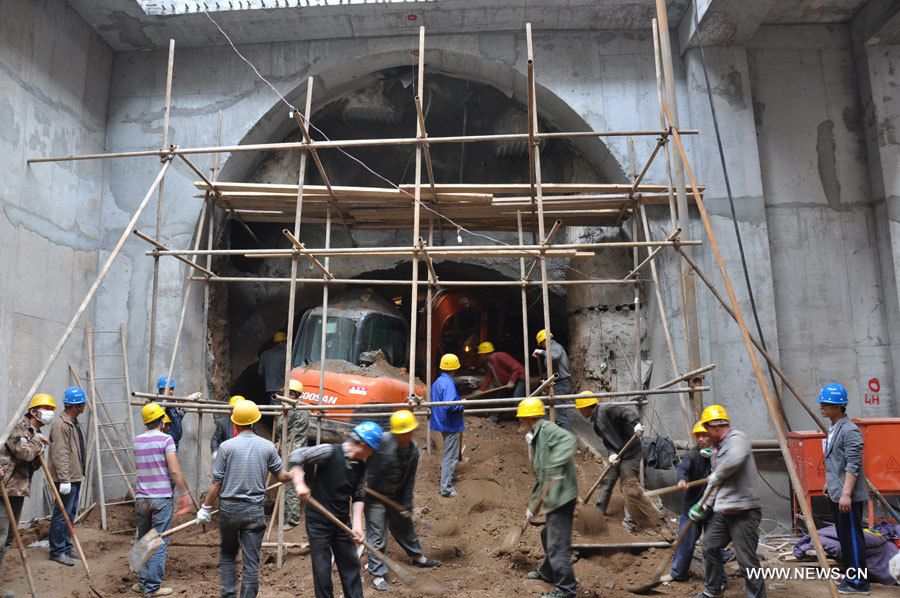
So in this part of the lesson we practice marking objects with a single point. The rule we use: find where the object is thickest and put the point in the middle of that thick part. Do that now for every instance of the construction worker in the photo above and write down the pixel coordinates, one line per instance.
(18, 461)
(225, 429)
(239, 484)
(695, 465)
(555, 492)
(339, 479)
(67, 454)
(615, 425)
(391, 471)
(735, 504)
(845, 486)
(166, 386)
(560, 360)
(271, 366)
(505, 369)
(298, 433)
(157, 468)
(448, 421)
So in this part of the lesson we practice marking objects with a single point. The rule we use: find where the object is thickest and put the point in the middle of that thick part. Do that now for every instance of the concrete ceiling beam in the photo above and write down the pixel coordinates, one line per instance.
(878, 22)
(723, 22)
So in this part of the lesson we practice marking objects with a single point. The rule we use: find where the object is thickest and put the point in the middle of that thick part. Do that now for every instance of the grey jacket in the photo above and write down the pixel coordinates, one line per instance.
(843, 453)
(560, 360)
(734, 465)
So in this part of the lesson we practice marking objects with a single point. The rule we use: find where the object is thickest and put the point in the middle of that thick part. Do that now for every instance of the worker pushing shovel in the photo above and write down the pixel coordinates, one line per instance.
(555, 492)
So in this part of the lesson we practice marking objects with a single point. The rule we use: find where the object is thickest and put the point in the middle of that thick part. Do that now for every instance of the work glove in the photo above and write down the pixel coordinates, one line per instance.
(195, 396)
(528, 513)
(41, 438)
(537, 353)
(697, 512)
(638, 429)
(204, 515)
(65, 488)
(214, 455)
(529, 436)
(613, 458)
(706, 453)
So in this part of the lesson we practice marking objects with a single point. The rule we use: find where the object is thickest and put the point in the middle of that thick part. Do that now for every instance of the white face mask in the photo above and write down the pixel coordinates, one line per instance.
(46, 416)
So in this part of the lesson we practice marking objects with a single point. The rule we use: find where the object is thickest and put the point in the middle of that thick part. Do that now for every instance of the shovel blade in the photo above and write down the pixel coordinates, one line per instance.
(512, 538)
(143, 548)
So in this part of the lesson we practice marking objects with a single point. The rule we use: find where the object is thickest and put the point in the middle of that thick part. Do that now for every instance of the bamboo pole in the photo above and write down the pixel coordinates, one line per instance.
(348, 143)
(414, 295)
(638, 379)
(160, 246)
(301, 249)
(159, 205)
(127, 376)
(774, 414)
(378, 282)
(54, 354)
(98, 464)
(525, 342)
(14, 527)
(62, 509)
(429, 300)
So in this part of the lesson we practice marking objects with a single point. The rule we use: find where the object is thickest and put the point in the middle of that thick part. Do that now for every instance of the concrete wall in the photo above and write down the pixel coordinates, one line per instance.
(54, 83)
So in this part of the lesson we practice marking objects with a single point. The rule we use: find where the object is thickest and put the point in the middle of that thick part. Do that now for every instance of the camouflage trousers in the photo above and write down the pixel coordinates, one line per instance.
(297, 429)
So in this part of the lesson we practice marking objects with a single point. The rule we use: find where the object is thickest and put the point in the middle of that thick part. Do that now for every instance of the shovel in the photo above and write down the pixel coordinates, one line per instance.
(664, 564)
(423, 586)
(589, 520)
(401, 510)
(153, 540)
(514, 535)
(675, 488)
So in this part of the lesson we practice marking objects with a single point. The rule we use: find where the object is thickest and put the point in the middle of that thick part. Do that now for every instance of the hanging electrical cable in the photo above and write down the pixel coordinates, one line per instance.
(737, 230)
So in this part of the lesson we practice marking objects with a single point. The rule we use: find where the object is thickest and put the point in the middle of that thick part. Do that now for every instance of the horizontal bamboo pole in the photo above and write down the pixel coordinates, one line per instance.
(345, 143)
(276, 409)
(445, 283)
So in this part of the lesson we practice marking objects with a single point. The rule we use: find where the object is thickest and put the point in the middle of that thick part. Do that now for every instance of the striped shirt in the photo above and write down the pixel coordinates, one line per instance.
(150, 450)
(241, 467)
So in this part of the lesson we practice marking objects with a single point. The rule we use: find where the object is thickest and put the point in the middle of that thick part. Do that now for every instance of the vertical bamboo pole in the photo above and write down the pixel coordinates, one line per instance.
(638, 377)
(774, 413)
(525, 342)
(662, 120)
(325, 288)
(127, 376)
(428, 339)
(159, 203)
(96, 427)
(413, 303)
(691, 332)
(533, 146)
(292, 301)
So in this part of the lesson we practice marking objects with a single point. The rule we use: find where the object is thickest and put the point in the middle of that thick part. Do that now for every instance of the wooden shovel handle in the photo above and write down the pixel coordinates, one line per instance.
(65, 515)
(609, 468)
(403, 511)
(14, 526)
(675, 488)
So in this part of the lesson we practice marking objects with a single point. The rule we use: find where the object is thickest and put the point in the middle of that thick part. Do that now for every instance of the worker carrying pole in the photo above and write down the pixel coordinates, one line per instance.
(555, 491)
(391, 471)
(339, 479)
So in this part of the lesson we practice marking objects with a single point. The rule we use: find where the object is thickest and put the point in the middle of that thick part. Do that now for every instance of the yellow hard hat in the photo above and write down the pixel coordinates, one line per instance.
(485, 347)
(279, 337)
(42, 400)
(167, 419)
(236, 399)
(449, 362)
(296, 386)
(714, 413)
(245, 413)
(699, 428)
(586, 402)
(542, 335)
(530, 407)
(151, 412)
(403, 421)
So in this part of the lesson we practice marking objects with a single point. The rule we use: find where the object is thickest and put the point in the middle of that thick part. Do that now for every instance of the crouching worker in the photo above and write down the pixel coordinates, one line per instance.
(553, 451)
(339, 479)
(239, 483)
(392, 472)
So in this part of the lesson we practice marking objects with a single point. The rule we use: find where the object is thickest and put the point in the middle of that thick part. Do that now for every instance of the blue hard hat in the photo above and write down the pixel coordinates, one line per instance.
(833, 394)
(74, 396)
(370, 433)
(165, 382)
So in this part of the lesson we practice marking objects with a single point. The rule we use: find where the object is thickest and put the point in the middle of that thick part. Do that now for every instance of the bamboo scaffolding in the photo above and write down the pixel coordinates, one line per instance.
(95, 427)
(160, 246)
(524, 308)
(159, 212)
(429, 300)
(393, 282)
(127, 376)
(301, 249)
(772, 408)
(414, 295)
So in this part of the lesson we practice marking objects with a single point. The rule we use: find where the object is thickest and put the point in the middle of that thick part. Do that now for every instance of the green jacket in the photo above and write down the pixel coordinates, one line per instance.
(554, 451)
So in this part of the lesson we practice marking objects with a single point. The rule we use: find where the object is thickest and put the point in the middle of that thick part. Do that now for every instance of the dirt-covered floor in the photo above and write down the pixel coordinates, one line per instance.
(494, 483)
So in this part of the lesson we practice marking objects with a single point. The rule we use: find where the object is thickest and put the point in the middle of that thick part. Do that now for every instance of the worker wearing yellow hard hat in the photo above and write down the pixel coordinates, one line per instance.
(695, 465)
(731, 501)
(448, 421)
(19, 460)
(298, 433)
(505, 370)
(554, 493)
(391, 472)
(615, 425)
(548, 348)
(156, 463)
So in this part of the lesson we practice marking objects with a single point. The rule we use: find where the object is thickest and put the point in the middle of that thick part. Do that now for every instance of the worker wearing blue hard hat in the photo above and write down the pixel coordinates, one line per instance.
(66, 464)
(845, 486)
(339, 479)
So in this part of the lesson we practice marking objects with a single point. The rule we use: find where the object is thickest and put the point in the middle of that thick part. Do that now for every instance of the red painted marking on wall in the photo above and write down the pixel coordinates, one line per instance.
(872, 398)
(412, 17)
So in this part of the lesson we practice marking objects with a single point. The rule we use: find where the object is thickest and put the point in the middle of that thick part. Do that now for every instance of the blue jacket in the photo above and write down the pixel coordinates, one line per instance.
(175, 428)
(446, 419)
